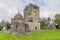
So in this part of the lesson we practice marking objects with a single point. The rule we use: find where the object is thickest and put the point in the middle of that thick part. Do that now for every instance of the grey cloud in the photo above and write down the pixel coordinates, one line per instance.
(13, 6)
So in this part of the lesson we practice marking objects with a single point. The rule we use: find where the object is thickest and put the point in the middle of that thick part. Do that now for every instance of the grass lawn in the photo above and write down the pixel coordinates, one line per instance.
(37, 35)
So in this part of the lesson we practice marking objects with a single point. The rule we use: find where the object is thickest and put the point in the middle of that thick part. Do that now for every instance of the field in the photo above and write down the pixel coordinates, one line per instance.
(35, 35)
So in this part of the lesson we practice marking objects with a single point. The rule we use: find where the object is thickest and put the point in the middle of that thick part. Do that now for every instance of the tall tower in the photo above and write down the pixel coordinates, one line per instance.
(31, 16)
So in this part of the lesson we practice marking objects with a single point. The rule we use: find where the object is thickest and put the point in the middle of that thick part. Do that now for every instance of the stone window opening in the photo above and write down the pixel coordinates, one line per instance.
(35, 7)
(30, 19)
(16, 26)
(35, 28)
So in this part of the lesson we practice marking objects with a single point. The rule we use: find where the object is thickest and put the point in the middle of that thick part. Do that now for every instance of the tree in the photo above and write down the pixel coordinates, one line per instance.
(43, 23)
(57, 20)
(1, 28)
(8, 25)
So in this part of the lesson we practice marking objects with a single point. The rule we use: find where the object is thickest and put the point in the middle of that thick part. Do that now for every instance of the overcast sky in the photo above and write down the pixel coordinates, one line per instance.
(8, 8)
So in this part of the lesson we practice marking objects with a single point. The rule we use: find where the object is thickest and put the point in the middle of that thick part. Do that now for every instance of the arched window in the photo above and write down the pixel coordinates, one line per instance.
(27, 28)
(17, 25)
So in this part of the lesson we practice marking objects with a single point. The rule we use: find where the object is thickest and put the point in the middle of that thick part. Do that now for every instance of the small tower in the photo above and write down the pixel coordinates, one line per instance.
(31, 16)
(17, 26)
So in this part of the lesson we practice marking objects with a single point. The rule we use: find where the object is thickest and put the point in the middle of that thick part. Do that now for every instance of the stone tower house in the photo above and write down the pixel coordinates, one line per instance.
(31, 20)
(31, 16)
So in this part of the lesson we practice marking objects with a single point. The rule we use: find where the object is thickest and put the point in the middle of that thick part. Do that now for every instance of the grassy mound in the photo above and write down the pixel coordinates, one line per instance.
(37, 35)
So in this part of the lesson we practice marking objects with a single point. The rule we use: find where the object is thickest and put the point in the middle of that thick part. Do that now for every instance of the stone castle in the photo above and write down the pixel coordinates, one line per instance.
(28, 23)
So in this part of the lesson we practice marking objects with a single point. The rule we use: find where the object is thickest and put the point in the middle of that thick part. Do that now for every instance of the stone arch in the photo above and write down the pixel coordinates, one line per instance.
(16, 26)
(27, 29)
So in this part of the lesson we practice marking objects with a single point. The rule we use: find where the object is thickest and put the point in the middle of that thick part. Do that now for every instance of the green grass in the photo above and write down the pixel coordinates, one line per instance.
(35, 35)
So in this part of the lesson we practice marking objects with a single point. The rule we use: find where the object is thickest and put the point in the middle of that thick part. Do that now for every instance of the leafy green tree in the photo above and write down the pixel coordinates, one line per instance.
(8, 25)
(43, 23)
(1, 28)
(57, 20)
